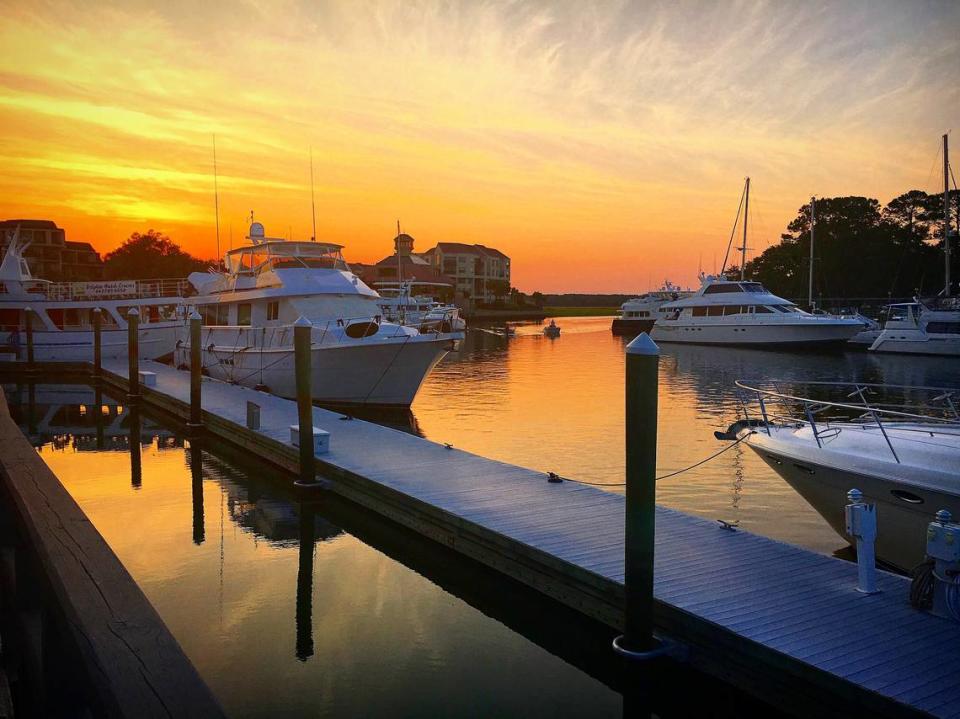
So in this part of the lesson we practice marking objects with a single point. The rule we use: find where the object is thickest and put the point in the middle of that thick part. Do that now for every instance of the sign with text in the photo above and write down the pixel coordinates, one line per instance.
(101, 290)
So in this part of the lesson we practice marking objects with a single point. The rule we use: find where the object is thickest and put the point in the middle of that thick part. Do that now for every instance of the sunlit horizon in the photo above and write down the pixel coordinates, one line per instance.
(602, 146)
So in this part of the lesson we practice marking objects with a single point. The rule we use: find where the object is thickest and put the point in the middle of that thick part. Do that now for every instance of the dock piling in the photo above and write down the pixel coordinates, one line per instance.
(133, 352)
(97, 340)
(302, 333)
(28, 326)
(642, 364)
(196, 411)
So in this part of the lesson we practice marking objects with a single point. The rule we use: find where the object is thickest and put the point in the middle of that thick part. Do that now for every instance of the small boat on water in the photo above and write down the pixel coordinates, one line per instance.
(639, 314)
(552, 330)
(62, 313)
(357, 357)
(898, 445)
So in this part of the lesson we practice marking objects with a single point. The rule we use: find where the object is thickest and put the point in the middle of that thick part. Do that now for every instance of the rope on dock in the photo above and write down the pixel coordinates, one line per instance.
(663, 476)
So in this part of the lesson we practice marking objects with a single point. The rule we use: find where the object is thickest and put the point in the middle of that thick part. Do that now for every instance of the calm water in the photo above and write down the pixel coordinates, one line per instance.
(289, 610)
(292, 611)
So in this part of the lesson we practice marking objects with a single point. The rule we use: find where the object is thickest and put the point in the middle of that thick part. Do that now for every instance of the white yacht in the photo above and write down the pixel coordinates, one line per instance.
(62, 313)
(906, 460)
(737, 312)
(639, 314)
(357, 357)
(921, 328)
(401, 306)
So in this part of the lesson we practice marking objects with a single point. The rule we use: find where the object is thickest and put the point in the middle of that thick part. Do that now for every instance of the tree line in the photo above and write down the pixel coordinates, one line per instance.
(862, 249)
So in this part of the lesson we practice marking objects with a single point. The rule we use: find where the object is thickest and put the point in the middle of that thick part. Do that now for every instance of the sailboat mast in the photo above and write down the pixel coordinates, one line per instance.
(946, 216)
(813, 222)
(743, 250)
(313, 202)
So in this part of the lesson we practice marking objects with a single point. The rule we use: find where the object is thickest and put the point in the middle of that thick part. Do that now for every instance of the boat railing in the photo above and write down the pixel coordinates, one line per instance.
(765, 404)
(116, 290)
(240, 338)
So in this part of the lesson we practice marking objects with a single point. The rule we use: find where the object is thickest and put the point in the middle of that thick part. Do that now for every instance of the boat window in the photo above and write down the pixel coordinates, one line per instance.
(944, 328)
(715, 311)
(243, 314)
(760, 309)
(106, 319)
(11, 320)
(755, 287)
(732, 310)
(778, 308)
(643, 313)
(719, 289)
(273, 310)
(214, 314)
(699, 311)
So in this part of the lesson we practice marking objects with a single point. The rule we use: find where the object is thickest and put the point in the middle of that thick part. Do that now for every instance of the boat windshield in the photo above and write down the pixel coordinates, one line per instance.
(279, 255)
(753, 287)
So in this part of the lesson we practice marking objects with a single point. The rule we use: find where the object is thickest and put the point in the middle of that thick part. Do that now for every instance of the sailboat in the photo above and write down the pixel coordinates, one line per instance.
(932, 326)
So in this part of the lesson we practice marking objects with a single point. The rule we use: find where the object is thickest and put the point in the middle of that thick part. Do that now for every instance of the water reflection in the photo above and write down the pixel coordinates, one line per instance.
(305, 585)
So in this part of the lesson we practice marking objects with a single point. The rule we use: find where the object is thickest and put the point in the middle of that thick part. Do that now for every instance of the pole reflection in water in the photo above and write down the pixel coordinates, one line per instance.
(136, 473)
(305, 584)
(196, 475)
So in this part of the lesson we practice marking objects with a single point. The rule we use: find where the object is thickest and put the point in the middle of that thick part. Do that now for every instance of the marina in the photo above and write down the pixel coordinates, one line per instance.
(565, 541)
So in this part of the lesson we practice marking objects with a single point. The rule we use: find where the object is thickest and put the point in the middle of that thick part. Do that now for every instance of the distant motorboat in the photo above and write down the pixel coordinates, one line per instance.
(552, 330)
(900, 447)
(929, 328)
(638, 315)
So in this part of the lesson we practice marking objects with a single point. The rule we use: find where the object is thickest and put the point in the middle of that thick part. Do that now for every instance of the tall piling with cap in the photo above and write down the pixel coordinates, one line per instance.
(196, 412)
(133, 352)
(28, 327)
(642, 365)
(97, 341)
(302, 341)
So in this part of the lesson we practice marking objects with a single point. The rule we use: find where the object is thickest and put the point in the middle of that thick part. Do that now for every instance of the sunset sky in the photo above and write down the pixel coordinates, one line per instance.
(601, 145)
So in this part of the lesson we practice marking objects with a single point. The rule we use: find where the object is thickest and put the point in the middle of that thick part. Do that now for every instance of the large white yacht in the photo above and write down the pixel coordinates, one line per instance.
(62, 313)
(639, 314)
(357, 357)
(736, 312)
(906, 459)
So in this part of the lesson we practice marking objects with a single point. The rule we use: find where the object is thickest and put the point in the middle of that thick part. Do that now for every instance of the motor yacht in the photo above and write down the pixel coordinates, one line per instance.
(401, 306)
(62, 313)
(898, 445)
(357, 357)
(737, 312)
(639, 314)
(929, 328)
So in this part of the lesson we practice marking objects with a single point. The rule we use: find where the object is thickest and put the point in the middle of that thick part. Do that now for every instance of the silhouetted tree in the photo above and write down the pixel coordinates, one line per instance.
(151, 255)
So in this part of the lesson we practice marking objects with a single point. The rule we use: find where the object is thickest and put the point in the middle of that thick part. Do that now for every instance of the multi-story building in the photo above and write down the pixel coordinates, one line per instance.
(50, 255)
(480, 274)
(407, 266)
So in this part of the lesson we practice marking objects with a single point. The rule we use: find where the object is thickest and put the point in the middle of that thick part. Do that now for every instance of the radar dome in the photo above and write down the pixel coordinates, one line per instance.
(256, 230)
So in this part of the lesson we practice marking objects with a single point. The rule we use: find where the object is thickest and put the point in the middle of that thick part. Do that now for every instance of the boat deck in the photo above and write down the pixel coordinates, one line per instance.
(750, 609)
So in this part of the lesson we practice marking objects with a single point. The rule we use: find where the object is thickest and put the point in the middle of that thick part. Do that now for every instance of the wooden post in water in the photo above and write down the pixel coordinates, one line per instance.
(304, 607)
(133, 352)
(196, 362)
(642, 364)
(302, 333)
(196, 475)
(97, 339)
(28, 324)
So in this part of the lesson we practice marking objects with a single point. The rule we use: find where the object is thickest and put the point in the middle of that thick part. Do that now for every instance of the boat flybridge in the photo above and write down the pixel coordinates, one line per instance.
(743, 312)
(899, 445)
(639, 314)
(357, 357)
(61, 314)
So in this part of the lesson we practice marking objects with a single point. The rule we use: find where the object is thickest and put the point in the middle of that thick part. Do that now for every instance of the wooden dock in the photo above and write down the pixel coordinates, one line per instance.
(783, 623)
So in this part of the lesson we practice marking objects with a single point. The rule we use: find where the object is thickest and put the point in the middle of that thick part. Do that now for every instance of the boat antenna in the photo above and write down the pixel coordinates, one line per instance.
(216, 194)
(946, 215)
(813, 222)
(743, 250)
(313, 203)
(733, 231)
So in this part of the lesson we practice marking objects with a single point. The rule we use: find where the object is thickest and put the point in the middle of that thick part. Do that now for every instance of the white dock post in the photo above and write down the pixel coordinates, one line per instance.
(97, 342)
(196, 362)
(133, 353)
(302, 344)
(862, 525)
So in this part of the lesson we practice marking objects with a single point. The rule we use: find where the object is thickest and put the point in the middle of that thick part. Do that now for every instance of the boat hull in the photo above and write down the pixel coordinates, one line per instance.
(385, 374)
(756, 335)
(916, 342)
(631, 328)
(155, 342)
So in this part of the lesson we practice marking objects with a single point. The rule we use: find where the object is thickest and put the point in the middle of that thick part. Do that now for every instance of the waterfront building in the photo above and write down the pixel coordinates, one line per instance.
(479, 273)
(407, 266)
(50, 255)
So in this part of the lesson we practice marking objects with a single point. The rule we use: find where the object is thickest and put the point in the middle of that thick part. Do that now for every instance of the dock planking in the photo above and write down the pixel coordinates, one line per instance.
(780, 621)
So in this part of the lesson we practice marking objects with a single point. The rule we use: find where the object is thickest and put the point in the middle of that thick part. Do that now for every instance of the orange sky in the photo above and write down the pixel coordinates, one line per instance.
(601, 145)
